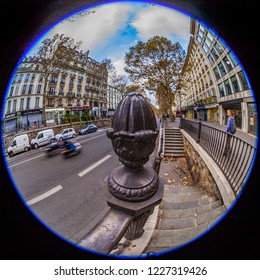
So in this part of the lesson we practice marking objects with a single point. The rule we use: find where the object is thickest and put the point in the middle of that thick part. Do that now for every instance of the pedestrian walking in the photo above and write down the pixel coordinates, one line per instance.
(231, 129)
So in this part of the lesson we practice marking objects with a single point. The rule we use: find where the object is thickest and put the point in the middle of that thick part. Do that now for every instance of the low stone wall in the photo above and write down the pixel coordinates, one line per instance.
(202, 177)
(56, 128)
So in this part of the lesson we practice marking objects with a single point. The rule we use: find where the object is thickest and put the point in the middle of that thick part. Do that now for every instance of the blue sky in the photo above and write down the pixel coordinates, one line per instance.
(116, 26)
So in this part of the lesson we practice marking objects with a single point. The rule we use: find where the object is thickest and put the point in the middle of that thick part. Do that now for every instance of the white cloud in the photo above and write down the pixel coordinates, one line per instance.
(159, 20)
(96, 28)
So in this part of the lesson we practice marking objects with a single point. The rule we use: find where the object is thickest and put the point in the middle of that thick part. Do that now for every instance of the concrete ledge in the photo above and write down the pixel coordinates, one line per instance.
(224, 187)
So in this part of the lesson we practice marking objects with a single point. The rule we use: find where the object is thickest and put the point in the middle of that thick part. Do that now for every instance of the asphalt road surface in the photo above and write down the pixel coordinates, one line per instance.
(66, 194)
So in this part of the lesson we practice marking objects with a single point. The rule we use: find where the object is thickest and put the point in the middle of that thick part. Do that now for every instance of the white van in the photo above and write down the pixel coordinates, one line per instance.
(19, 144)
(43, 137)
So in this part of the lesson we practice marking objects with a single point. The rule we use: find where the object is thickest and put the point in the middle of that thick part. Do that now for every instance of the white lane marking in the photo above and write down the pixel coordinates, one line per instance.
(84, 172)
(44, 195)
(26, 160)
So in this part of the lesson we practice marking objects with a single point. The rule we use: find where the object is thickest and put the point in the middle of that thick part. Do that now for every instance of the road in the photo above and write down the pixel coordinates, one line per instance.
(66, 194)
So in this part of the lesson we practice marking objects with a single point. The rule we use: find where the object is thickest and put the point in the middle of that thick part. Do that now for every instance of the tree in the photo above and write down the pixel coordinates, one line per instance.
(50, 54)
(157, 66)
(117, 81)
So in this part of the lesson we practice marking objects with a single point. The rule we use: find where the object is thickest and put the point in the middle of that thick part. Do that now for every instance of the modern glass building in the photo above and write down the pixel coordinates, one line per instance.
(217, 83)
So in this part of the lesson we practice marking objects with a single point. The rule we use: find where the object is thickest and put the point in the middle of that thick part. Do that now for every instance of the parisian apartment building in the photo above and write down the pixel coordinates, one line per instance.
(217, 82)
(114, 96)
(74, 85)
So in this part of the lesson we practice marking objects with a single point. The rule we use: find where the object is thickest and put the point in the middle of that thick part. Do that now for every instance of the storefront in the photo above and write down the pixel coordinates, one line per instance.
(21, 119)
(212, 113)
(235, 106)
(53, 116)
(201, 113)
(252, 118)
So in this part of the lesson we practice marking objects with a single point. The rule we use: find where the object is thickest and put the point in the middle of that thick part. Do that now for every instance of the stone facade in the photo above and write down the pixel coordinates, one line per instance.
(199, 171)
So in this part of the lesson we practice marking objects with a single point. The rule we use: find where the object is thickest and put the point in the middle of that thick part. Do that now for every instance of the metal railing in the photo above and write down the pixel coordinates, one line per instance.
(235, 166)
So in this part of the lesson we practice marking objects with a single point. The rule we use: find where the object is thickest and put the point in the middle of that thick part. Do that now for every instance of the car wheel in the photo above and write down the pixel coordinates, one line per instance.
(74, 135)
(60, 139)
(36, 146)
(11, 154)
(26, 149)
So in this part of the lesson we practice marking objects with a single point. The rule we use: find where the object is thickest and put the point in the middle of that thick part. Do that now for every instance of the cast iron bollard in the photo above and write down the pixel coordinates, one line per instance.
(133, 189)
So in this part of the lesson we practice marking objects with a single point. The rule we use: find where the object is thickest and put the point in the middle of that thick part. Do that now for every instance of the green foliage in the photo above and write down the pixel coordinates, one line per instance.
(156, 65)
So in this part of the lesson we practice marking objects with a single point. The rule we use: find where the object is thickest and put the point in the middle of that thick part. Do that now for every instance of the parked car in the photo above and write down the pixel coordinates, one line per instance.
(65, 134)
(19, 144)
(88, 129)
(43, 137)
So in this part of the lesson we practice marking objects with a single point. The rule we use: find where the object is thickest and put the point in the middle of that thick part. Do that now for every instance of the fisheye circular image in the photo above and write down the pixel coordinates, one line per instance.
(129, 129)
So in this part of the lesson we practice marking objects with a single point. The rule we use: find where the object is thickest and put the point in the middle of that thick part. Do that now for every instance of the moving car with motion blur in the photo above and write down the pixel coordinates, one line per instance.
(88, 129)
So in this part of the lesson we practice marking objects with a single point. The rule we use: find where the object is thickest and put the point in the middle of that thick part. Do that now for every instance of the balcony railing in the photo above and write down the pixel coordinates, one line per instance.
(236, 166)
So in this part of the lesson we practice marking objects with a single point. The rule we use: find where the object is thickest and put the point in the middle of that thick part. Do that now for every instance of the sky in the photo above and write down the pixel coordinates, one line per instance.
(113, 28)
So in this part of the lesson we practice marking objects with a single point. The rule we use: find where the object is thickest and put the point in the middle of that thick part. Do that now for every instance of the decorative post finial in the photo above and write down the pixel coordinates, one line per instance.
(134, 187)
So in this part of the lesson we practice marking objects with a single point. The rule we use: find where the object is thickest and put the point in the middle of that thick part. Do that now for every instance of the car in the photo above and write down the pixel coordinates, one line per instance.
(88, 129)
(65, 134)
(19, 144)
(42, 138)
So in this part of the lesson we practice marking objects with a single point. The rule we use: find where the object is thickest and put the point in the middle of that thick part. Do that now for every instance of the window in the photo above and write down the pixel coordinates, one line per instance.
(40, 78)
(221, 90)
(39, 87)
(37, 102)
(8, 107)
(222, 69)
(205, 48)
(219, 47)
(216, 72)
(227, 87)
(17, 89)
(214, 54)
(27, 78)
(200, 33)
(199, 39)
(62, 81)
(24, 89)
(59, 102)
(20, 78)
(243, 80)
(71, 83)
(202, 28)
(30, 89)
(234, 59)
(210, 58)
(53, 80)
(28, 103)
(21, 104)
(15, 79)
(33, 78)
(40, 136)
(235, 84)
(11, 91)
(210, 36)
(14, 105)
(227, 63)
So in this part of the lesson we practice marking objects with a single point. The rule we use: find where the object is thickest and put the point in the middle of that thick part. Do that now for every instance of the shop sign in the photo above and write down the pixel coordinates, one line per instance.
(30, 112)
(13, 115)
(76, 108)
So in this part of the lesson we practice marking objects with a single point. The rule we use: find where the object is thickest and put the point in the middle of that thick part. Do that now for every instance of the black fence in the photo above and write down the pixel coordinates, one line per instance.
(236, 165)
